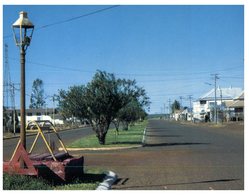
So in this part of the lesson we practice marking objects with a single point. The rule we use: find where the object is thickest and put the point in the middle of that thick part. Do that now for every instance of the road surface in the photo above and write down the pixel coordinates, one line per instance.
(67, 137)
(178, 157)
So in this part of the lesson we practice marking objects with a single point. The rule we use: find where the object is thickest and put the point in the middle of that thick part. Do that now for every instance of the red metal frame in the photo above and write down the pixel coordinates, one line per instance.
(60, 166)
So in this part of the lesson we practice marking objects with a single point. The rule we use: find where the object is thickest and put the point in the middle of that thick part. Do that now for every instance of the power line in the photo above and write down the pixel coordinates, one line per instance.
(173, 74)
(78, 17)
(72, 19)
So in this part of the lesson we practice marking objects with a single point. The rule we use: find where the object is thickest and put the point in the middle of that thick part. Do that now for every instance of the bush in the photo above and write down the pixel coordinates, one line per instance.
(21, 182)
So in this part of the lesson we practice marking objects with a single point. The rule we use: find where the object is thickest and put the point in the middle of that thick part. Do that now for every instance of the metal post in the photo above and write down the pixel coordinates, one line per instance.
(23, 111)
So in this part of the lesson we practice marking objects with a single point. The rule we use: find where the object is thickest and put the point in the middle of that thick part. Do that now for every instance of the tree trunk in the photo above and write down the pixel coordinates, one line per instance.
(101, 131)
(101, 136)
(116, 123)
(126, 126)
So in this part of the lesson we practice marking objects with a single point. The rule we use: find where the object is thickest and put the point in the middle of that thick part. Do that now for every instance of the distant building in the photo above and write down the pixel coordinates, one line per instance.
(38, 114)
(204, 107)
(235, 109)
(186, 114)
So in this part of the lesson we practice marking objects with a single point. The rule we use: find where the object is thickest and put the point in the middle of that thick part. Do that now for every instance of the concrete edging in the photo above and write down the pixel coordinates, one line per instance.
(35, 133)
(144, 137)
(102, 149)
(109, 179)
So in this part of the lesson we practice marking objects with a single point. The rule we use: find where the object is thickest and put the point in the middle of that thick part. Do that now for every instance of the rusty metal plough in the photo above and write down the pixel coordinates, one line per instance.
(50, 165)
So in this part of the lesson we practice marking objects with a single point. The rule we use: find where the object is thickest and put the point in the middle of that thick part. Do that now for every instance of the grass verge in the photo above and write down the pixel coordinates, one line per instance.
(131, 137)
(89, 181)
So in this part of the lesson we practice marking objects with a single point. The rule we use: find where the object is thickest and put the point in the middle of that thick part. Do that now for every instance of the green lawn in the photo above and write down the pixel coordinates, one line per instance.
(131, 137)
(89, 181)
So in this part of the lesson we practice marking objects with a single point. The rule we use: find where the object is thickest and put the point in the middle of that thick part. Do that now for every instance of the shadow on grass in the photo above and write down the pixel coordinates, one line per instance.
(86, 178)
(91, 178)
(75, 177)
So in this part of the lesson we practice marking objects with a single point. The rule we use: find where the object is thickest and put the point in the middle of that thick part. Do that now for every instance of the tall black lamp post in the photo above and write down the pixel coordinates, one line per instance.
(23, 31)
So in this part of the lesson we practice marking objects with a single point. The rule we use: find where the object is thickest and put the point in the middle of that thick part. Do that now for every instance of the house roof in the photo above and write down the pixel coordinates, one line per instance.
(237, 104)
(226, 93)
(240, 97)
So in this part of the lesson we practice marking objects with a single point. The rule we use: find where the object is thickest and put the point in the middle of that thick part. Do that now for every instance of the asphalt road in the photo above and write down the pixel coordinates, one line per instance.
(67, 136)
(178, 157)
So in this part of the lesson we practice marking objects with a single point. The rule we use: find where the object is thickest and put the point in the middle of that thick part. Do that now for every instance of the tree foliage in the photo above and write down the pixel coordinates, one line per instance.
(130, 113)
(101, 100)
(37, 95)
(175, 106)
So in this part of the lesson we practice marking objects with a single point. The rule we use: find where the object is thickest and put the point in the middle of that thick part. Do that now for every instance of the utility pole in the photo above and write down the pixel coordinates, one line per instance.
(53, 108)
(9, 88)
(221, 105)
(215, 97)
(181, 98)
(12, 92)
(190, 106)
(164, 110)
(169, 101)
(7, 79)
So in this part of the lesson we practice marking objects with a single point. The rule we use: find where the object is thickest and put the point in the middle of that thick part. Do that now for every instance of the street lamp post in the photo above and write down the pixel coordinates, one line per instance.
(23, 31)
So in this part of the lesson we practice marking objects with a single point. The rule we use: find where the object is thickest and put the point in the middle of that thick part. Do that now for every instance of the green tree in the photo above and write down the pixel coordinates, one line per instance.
(130, 113)
(72, 102)
(100, 101)
(175, 106)
(37, 95)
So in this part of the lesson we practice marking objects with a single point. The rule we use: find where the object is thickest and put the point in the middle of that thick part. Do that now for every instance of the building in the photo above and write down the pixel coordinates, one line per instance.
(235, 110)
(204, 107)
(31, 115)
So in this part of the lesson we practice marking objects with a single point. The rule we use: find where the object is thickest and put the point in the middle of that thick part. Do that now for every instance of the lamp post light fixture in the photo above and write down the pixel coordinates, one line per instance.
(23, 31)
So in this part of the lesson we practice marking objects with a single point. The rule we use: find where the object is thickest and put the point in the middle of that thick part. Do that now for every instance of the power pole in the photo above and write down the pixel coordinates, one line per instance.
(13, 106)
(181, 98)
(53, 109)
(169, 101)
(6, 81)
(190, 106)
(164, 111)
(9, 88)
(215, 97)
(221, 105)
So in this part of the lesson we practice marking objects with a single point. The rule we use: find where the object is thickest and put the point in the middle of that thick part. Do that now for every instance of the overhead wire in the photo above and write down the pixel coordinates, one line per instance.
(128, 74)
(124, 74)
(78, 17)
(71, 19)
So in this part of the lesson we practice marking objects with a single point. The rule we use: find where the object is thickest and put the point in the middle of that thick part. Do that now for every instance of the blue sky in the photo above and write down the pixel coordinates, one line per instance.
(170, 50)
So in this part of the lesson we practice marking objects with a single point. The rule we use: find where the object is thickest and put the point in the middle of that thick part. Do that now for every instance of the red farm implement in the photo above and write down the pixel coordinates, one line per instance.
(59, 166)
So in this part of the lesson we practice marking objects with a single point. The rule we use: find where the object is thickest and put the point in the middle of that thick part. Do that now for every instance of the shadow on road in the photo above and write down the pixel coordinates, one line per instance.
(163, 136)
(126, 142)
(174, 144)
(172, 184)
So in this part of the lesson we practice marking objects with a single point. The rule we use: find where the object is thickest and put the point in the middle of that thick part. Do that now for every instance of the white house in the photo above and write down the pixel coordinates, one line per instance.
(204, 107)
(39, 114)
(235, 109)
